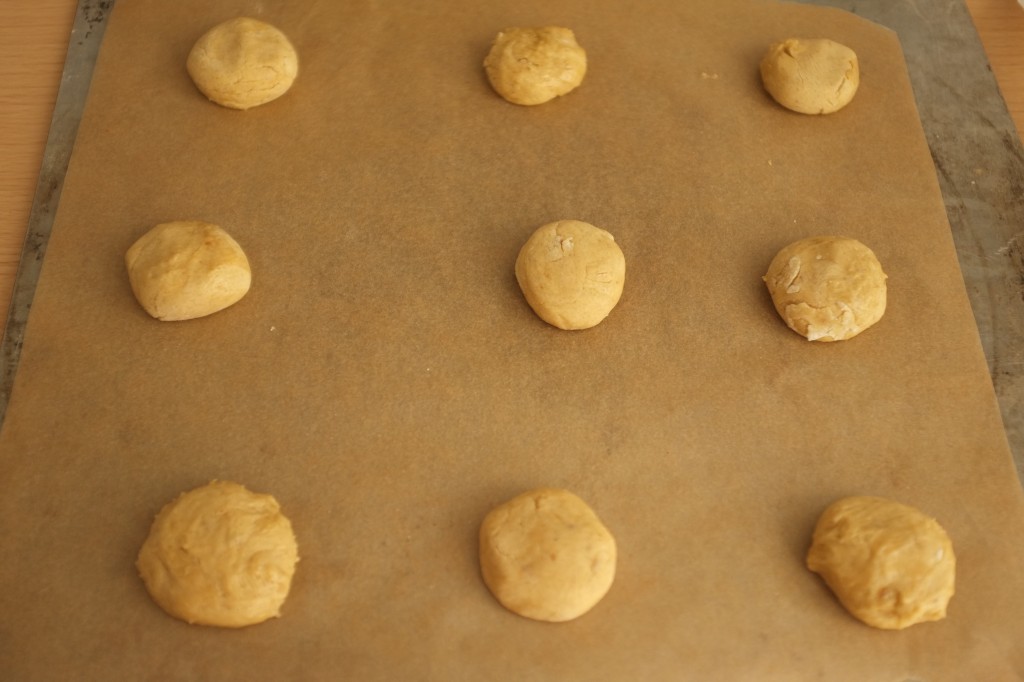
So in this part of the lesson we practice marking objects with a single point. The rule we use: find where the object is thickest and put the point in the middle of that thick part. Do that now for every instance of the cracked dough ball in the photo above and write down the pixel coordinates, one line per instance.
(827, 288)
(220, 555)
(545, 555)
(811, 76)
(243, 63)
(187, 269)
(571, 273)
(890, 565)
(534, 65)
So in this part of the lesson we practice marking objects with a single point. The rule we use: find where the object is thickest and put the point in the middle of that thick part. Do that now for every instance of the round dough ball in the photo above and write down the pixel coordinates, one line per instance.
(220, 555)
(827, 288)
(811, 76)
(243, 63)
(571, 273)
(887, 563)
(534, 65)
(545, 555)
(187, 269)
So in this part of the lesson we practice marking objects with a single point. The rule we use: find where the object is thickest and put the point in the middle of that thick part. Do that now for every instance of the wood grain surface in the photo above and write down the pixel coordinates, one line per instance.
(33, 42)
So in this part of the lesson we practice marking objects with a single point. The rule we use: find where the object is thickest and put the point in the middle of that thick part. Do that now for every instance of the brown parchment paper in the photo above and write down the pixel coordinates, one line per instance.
(386, 381)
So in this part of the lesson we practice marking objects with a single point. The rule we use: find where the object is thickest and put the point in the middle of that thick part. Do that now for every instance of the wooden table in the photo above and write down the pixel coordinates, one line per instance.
(33, 41)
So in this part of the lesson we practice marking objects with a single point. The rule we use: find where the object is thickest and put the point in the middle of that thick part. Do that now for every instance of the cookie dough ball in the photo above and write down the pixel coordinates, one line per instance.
(243, 63)
(534, 65)
(811, 76)
(827, 288)
(571, 273)
(220, 555)
(187, 269)
(545, 555)
(890, 565)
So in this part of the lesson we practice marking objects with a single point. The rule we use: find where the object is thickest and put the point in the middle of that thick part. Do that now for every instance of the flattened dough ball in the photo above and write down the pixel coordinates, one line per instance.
(535, 65)
(545, 555)
(890, 565)
(811, 76)
(220, 555)
(571, 273)
(827, 288)
(243, 63)
(187, 269)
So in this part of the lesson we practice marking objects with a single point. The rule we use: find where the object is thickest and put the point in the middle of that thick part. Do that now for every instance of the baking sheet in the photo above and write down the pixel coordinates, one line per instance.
(385, 380)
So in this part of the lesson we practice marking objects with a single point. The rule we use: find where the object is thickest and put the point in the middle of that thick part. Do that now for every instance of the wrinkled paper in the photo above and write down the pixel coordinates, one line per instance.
(385, 380)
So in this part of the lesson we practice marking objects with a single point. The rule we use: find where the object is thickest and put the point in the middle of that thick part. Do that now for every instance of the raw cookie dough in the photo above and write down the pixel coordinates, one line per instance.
(187, 269)
(220, 555)
(887, 563)
(545, 555)
(534, 65)
(571, 273)
(810, 76)
(827, 288)
(243, 63)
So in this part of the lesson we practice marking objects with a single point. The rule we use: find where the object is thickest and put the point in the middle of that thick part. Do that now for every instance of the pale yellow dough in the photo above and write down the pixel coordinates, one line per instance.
(187, 269)
(890, 565)
(220, 555)
(571, 273)
(545, 555)
(243, 63)
(534, 65)
(827, 288)
(811, 76)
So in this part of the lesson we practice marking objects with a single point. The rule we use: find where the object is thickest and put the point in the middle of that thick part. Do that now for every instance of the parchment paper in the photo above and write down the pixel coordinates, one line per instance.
(386, 381)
